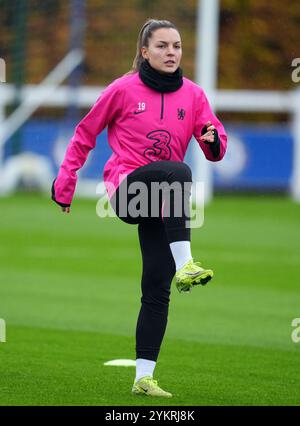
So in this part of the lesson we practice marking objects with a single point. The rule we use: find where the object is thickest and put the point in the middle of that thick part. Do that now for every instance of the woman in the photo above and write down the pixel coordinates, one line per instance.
(151, 113)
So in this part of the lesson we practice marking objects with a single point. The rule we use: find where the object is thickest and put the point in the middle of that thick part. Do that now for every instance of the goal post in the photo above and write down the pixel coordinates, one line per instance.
(206, 76)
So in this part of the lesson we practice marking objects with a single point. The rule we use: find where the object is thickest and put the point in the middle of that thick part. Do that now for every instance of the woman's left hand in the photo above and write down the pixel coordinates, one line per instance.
(209, 136)
(66, 209)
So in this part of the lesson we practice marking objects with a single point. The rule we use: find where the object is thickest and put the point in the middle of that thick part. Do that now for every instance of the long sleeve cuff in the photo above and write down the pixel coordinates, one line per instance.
(53, 196)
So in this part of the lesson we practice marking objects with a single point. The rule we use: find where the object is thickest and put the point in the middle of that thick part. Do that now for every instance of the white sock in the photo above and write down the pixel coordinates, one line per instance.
(144, 367)
(181, 251)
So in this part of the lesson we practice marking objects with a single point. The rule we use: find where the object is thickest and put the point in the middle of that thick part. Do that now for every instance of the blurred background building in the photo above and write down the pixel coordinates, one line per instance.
(60, 54)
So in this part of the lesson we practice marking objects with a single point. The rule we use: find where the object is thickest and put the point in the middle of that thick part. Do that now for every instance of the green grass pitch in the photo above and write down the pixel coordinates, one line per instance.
(70, 294)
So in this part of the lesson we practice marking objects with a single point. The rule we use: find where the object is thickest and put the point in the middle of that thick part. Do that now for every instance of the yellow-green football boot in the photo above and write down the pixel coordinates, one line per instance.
(192, 274)
(149, 387)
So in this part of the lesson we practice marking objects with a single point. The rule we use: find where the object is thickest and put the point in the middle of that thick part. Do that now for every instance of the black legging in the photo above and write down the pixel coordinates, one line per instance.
(155, 235)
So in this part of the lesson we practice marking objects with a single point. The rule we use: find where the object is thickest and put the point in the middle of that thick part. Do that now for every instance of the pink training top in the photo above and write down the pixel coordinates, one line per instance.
(143, 126)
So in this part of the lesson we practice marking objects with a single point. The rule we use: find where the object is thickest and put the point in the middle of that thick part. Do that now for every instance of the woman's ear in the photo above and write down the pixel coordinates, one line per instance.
(144, 52)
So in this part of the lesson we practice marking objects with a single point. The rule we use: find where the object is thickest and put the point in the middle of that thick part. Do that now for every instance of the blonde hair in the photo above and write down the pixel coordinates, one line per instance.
(143, 39)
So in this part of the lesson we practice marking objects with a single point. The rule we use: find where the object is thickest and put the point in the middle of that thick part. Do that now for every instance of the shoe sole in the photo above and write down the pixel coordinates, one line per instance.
(143, 393)
(137, 393)
(205, 277)
(201, 279)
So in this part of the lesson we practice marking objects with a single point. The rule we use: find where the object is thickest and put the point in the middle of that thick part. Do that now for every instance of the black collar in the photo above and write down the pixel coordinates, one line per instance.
(162, 83)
